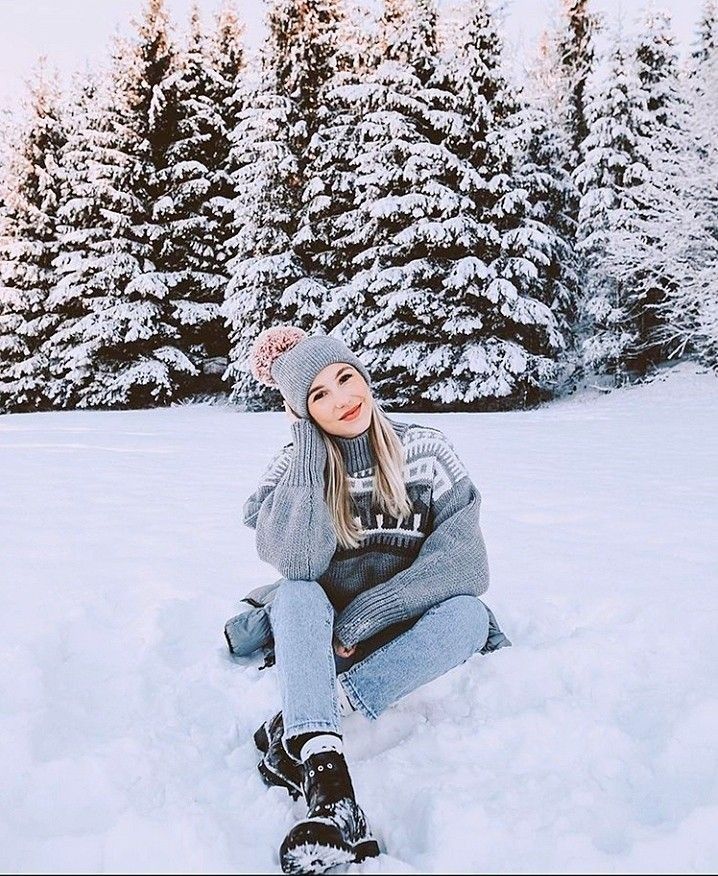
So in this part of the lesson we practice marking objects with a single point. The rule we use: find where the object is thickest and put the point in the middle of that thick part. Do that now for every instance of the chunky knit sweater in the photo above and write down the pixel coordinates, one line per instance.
(402, 567)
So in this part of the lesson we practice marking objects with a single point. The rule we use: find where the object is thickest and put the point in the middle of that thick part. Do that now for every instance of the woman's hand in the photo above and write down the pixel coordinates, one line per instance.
(290, 413)
(343, 651)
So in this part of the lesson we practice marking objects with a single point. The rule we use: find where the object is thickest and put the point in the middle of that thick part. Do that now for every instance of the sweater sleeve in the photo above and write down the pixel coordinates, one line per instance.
(295, 532)
(452, 560)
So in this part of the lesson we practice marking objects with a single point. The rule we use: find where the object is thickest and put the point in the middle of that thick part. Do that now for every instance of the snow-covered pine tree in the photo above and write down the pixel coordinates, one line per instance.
(706, 44)
(189, 176)
(447, 302)
(268, 283)
(616, 159)
(227, 56)
(319, 52)
(686, 229)
(574, 50)
(81, 230)
(31, 190)
(229, 64)
(388, 112)
(524, 304)
(542, 163)
(324, 240)
(126, 333)
(637, 256)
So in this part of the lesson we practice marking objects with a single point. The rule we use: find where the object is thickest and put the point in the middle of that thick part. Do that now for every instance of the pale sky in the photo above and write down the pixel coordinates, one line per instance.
(72, 33)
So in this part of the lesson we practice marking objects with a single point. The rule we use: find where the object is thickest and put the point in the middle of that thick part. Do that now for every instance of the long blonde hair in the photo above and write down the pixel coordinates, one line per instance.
(389, 489)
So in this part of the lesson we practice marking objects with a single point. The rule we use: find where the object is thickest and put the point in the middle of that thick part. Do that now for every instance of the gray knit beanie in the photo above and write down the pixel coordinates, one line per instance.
(288, 358)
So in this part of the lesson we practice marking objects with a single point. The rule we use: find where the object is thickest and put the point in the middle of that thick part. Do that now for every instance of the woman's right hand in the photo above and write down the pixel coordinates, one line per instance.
(290, 413)
(342, 650)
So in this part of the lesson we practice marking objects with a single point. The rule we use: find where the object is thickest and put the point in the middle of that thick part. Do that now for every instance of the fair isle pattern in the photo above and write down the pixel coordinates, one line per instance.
(401, 567)
(449, 469)
(378, 528)
(431, 469)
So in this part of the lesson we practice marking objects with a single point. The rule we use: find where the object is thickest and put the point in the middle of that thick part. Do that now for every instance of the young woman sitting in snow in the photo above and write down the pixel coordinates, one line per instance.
(374, 526)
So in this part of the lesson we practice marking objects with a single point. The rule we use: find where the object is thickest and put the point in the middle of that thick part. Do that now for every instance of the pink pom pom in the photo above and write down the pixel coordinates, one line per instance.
(269, 344)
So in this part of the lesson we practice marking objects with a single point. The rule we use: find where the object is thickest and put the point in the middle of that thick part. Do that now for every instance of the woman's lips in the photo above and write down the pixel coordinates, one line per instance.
(352, 414)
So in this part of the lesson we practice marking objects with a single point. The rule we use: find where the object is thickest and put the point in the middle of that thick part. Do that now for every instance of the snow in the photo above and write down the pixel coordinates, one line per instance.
(587, 747)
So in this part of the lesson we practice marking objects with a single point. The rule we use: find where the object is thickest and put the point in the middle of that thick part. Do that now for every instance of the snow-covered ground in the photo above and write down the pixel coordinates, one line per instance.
(589, 746)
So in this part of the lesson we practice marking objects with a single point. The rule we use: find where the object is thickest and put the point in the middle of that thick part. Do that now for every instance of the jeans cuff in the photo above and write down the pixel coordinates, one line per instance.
(310, 727)
(354, 697)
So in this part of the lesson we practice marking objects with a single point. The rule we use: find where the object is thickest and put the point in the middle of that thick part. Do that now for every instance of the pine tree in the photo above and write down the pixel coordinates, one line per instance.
(189, 178)
(686, 229)
(135, 357)
(228, 60)
(389, 113)
(32, 190)
(550, 191)
(317, 55)
(328, 218)
(636, 258)
(229, 89)
(446, 304)
(268, 283)
(616, 160)
(81, 230)
(575, 53)
(706, 44)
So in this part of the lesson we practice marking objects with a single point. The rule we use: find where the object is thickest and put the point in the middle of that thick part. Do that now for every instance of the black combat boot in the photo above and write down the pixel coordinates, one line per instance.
(277, 767)
(335, 829)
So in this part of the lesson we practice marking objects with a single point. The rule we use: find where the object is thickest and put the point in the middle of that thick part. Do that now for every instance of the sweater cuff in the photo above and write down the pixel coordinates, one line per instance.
(367, 614)
(309, 459)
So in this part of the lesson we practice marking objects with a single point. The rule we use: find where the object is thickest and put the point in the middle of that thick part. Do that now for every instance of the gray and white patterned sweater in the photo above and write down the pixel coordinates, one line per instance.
(403, 566)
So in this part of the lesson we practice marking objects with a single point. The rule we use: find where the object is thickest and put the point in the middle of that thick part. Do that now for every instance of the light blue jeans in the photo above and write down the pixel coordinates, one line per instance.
(379, 674)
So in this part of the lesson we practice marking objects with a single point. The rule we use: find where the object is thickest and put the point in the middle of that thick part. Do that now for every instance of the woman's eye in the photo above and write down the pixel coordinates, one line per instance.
(342, 379)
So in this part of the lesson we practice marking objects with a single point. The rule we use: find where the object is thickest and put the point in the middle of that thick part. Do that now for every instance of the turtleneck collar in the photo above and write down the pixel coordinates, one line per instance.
(356, 452)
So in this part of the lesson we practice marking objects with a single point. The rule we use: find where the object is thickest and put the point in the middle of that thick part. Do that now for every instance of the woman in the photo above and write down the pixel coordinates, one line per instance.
(374, 526)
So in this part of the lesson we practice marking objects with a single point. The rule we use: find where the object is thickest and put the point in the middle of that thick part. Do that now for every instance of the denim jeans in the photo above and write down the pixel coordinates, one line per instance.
(381, 671)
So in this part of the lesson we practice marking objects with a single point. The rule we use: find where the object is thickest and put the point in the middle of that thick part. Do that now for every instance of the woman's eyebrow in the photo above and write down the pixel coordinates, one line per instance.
(338, 374)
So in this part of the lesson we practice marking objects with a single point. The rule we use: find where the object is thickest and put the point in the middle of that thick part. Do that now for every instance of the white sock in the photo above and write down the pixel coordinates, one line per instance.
(345, 705)
(321, 742)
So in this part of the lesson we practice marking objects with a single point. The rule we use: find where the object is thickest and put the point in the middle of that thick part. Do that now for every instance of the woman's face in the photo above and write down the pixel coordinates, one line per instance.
(337, 391)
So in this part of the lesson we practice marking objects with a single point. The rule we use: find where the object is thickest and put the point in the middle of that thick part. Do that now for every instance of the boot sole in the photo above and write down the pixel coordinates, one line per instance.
(315, 858)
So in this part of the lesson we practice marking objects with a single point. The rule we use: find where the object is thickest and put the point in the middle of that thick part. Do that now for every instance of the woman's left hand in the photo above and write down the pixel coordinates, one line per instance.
(342, 650)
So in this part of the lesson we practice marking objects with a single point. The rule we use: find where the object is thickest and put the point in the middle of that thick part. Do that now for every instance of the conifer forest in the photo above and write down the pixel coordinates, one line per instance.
(482, 243)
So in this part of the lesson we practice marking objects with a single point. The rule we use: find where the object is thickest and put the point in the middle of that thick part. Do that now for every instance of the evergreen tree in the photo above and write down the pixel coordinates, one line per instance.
(446, 303)
(32, 190)
(616, 161)
(685, 252)
(324, 240)
(229, 88)
(636, 258)
(189, 177)
(706, 44)
(575, 51)
(135, 357)
(550, 192)
(81, 230)
(228, 61)
(268, 282)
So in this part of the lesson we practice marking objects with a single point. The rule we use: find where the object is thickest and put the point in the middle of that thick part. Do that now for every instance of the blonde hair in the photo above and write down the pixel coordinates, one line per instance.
(389, 489)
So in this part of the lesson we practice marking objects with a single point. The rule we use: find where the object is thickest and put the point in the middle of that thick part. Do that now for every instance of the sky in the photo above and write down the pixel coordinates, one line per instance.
(72, 33)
